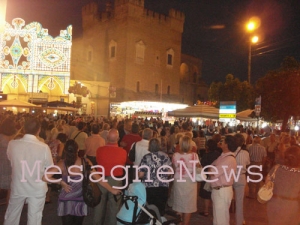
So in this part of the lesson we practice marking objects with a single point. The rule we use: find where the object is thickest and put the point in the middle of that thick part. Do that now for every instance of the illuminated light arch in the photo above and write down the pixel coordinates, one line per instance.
(40, 57)
(11, 78)
(48, 79)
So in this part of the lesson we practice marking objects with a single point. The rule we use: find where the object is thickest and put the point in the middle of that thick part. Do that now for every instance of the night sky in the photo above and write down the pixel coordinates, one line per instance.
(222, 51)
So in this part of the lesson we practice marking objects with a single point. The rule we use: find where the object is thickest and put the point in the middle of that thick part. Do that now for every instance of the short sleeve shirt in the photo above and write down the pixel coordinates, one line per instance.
(154, 161)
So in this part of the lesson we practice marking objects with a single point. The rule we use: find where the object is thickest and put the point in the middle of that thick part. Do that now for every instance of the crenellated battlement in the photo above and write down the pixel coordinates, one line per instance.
(134, 9)
(173, 13)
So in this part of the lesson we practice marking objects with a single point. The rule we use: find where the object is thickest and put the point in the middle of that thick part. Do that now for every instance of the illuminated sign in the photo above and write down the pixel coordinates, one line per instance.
(227, 110)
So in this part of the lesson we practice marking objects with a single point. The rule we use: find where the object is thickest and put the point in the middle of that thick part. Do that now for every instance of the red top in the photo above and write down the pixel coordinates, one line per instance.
(109, 156)
(129, 139)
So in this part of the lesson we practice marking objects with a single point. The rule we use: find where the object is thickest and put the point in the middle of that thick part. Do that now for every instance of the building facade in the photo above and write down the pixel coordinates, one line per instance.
(137, 50)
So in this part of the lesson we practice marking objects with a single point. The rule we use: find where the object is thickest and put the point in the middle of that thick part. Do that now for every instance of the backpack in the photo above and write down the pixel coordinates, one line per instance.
(90, 191)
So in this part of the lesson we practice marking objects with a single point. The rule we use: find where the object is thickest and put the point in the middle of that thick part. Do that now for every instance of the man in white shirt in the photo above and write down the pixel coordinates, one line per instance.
(141, 147)
(29, 158)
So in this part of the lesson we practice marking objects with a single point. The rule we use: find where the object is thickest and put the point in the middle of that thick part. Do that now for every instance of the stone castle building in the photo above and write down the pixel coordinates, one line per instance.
(138, 51)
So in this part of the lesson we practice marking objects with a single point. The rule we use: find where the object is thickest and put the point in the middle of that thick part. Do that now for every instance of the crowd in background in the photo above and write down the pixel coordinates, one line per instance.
(167, 142)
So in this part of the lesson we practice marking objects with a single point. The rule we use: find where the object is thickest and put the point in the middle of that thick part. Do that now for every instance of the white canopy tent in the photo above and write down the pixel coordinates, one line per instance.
(204, 111)
(18, 104)
(245, 116)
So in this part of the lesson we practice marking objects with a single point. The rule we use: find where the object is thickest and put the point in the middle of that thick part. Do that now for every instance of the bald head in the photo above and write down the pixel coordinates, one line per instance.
(113, 136)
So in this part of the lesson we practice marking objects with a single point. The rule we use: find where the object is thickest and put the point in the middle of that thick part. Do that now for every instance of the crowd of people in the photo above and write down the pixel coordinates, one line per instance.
(29, 143)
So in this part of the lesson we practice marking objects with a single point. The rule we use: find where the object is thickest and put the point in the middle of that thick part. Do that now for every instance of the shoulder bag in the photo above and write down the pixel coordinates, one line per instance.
(131, 154)
(90, 191)
(265, 193)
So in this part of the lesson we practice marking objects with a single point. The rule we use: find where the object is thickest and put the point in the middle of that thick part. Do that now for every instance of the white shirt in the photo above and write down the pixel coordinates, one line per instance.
(141, 149)
(28, 154)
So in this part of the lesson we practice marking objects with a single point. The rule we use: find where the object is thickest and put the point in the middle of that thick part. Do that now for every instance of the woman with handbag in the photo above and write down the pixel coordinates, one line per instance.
(283, 208)
(71, 206)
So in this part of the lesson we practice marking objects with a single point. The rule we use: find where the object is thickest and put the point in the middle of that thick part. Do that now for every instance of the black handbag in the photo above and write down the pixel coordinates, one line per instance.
(90, 191)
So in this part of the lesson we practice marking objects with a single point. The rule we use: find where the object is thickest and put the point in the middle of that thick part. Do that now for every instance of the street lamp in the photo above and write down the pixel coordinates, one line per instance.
(252, 25)
(252, 40)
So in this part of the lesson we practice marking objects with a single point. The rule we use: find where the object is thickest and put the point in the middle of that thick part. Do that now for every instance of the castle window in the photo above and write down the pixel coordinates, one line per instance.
(140, 52)
(112, 50)
(170, 57)
(156, 89)
(138, 86)
(168, 91)
(157, 59)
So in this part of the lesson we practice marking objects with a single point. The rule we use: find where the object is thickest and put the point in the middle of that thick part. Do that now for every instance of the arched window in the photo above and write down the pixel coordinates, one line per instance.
(169, 89)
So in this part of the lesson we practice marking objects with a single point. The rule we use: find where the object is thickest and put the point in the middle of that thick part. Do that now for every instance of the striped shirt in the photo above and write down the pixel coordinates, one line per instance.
(242, 159)
(257, 153)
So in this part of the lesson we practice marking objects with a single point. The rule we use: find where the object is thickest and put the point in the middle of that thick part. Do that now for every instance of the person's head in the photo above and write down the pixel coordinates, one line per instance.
(147, 133)
(185, 144)
(272, 137)
(62, 137)
(128, 124)
(195, 134)
(217, 137)
(257, 140)
(71, 149)
(178, 137)
(135, 128)
(188, 134)
(8, 127)
(211, 145)
(113, 136)
(81, 125)
(201, 133)
(163, 133)
(154, 145)
(95, 128)
(53, 133)
(185, 126)
(292, 157)
(229, 144)
(240, 139)
(32, 126)
(106, 126)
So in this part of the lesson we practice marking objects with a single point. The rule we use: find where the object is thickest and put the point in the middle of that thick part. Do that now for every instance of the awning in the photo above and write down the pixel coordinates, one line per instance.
(18, 103)
(246, 116)
(204, 111)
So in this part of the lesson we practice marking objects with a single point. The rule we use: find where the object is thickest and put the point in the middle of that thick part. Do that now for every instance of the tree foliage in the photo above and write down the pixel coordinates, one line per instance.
(280, 92)
(233, 90)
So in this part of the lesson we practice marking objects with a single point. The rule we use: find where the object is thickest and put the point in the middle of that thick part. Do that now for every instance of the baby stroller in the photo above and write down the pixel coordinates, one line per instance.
(136, 211)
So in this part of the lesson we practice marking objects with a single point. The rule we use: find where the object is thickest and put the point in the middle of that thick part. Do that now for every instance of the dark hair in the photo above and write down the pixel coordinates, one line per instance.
(8, 126)
(163, 132)
(81, 125)
(95, 128)
(231, 143)
(195, 134)
(211, 145)
(135, 128)
(239, 139)
(62, 137)
(71, 149)
(154, 145)
(292, 157)
(32, 126)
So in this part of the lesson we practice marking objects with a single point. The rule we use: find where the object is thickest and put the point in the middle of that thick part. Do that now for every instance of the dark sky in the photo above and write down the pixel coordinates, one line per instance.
(222, 51)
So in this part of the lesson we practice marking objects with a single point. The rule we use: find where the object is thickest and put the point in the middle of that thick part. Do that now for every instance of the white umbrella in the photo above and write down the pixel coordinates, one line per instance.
(18, 103)
(204, 111)
(245, 115)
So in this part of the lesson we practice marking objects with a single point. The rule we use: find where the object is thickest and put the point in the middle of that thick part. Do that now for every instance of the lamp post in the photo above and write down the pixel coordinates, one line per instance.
(252, 25)
(253, 40)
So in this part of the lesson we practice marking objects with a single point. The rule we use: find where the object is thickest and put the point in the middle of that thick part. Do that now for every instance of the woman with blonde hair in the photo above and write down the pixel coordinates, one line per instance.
(185, 193)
